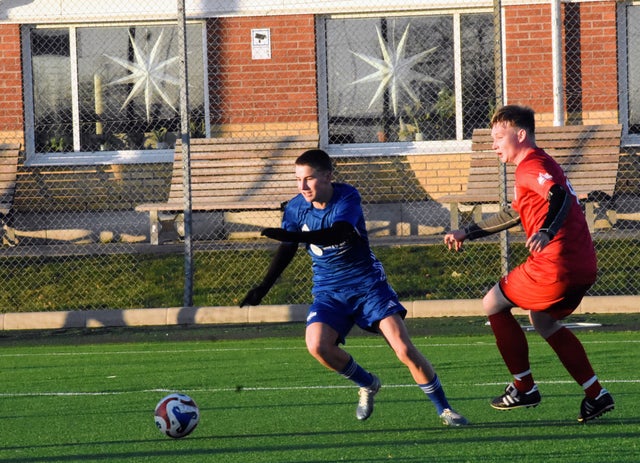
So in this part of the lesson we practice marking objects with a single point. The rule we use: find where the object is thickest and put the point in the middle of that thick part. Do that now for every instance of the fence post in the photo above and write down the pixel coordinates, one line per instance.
(499, 90)
(187, 299)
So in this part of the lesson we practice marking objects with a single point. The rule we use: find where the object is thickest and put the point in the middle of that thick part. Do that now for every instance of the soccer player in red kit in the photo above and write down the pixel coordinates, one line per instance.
(559, 270)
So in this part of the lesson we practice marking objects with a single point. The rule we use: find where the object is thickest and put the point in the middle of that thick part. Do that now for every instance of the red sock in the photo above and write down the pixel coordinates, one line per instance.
(513, 346)
(571, 353)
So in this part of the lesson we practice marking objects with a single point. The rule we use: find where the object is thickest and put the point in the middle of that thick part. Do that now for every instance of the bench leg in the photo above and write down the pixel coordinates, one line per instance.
(9, 237)
(454, 213)
(476, 213)
(590, 215)
(154, 227)
(9, 233)
(178, 225)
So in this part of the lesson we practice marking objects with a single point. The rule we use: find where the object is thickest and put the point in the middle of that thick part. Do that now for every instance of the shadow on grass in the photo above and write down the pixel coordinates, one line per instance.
(344, 441)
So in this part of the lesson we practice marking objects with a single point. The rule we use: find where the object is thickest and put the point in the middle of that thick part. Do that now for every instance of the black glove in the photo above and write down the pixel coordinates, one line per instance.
(280, 234)
(254, 296)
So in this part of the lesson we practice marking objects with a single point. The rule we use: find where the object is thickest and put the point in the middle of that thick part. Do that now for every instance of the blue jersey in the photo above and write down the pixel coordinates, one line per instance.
(344, 265)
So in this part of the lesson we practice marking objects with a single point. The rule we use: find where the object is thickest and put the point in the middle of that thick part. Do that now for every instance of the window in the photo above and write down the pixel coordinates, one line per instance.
(632, 72)
(103, 93)
(408, 79)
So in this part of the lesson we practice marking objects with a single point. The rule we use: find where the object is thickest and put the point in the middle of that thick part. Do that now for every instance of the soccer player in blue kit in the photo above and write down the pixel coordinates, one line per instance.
(349, 283)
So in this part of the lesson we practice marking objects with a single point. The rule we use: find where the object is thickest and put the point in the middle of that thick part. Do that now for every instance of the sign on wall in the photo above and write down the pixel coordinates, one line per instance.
(261, 43)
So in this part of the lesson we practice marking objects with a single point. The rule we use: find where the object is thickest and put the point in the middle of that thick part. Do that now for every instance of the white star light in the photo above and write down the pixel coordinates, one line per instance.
(395, 71)
(146, 73)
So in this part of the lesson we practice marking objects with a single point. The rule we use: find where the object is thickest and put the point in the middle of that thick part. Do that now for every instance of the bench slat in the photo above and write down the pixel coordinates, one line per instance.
(233, 174)
(589, 155)
(9, 154)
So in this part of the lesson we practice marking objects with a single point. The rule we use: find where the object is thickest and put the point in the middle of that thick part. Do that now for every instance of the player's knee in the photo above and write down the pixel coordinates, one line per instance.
(494, 301)
(318, 349)
(408, 354)
(544, 325)
(489, 306)
(403, 354)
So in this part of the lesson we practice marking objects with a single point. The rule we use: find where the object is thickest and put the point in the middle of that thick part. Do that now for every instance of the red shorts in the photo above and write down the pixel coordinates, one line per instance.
(559, 298)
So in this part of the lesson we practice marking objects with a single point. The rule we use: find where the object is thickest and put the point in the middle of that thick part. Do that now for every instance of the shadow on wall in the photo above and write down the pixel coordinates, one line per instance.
(183, 316)
(395, 202)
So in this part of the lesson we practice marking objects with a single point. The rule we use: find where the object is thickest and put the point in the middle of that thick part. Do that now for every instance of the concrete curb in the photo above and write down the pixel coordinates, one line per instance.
(265, 314)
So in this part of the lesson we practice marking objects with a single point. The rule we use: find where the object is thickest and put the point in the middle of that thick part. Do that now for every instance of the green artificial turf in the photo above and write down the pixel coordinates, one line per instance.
(90, 397)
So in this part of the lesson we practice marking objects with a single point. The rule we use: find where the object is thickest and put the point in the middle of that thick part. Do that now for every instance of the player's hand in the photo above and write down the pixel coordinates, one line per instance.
(455, 239)
(254, 296)
(538, 241)
(278, 234)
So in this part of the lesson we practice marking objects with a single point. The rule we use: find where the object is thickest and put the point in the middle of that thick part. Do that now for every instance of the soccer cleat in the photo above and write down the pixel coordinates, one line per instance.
(452, 418)
(590, 409)
(365, 402)
(512, 398)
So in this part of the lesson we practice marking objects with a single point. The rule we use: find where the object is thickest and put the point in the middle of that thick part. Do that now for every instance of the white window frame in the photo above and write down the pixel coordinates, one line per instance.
(623, 69)
(393, 148)
(77, 157)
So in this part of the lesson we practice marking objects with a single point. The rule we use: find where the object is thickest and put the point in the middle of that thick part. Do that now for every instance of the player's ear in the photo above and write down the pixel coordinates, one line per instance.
(521, 134)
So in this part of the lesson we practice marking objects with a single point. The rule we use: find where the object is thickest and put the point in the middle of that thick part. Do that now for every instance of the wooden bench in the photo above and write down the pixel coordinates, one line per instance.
(9, 153)
(589, 155)
(232, 174)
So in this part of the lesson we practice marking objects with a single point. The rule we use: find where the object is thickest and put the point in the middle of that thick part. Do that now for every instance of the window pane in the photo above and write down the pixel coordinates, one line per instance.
(478, 73)
(396, 75)
(633, 73)
(128, 87)
(52, 90)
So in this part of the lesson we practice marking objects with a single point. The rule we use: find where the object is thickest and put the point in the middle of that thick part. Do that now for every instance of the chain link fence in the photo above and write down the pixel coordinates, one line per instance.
(392, 90)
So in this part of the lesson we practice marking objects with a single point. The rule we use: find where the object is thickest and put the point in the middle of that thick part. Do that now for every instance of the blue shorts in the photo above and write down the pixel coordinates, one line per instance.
(365, 307)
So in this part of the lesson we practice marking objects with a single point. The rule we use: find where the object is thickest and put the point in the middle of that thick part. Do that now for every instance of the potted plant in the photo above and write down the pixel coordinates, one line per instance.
(381, 133)
(197, 129)
(159, 138)
(413, 112)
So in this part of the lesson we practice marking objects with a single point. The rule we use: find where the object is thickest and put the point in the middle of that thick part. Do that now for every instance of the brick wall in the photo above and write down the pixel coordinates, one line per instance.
(263, 96)
(279, 96)
(589, 48)
(11, 114)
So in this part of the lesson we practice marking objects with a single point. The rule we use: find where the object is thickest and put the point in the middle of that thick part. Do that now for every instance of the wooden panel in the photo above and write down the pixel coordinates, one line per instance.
(589, 155)
(230, 174)
(9, 153)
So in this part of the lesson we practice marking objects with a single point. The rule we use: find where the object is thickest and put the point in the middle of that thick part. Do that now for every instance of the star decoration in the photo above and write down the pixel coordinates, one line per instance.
(395, 71)
(147, 73)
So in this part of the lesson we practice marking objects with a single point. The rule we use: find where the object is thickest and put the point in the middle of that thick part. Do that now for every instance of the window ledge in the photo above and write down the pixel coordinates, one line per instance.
(400, 149)
(100, 158)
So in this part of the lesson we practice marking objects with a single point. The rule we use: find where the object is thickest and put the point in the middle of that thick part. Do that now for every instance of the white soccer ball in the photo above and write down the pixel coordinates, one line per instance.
(177, 415)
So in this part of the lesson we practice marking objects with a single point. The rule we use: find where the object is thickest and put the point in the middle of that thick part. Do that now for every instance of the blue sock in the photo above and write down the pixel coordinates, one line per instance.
(357, 374)
(435, 392)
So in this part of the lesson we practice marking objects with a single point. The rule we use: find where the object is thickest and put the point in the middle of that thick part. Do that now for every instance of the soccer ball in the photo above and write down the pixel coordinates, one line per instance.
(177, 415)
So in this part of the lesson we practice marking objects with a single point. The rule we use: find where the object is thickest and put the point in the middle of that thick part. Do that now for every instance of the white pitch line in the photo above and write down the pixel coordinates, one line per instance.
(240, 389)
(262, 349)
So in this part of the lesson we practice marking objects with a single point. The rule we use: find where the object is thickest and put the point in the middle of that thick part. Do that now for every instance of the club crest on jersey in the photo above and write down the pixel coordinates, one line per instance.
(543, 177)
(317, 250)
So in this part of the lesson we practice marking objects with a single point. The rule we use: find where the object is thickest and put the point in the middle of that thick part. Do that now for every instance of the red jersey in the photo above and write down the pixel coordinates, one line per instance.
(570, 256)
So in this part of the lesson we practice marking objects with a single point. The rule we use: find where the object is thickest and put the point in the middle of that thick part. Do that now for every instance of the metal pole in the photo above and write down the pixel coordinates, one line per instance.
(187, 300)
(556, 45)
(499, 90)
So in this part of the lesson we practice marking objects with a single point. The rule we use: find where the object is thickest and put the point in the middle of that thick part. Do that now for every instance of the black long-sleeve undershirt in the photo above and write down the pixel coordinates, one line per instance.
(559, 206)
(338, 233)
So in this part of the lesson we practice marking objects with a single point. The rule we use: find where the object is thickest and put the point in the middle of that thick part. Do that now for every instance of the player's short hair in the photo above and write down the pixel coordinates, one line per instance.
(317, 159)
(519, 116)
